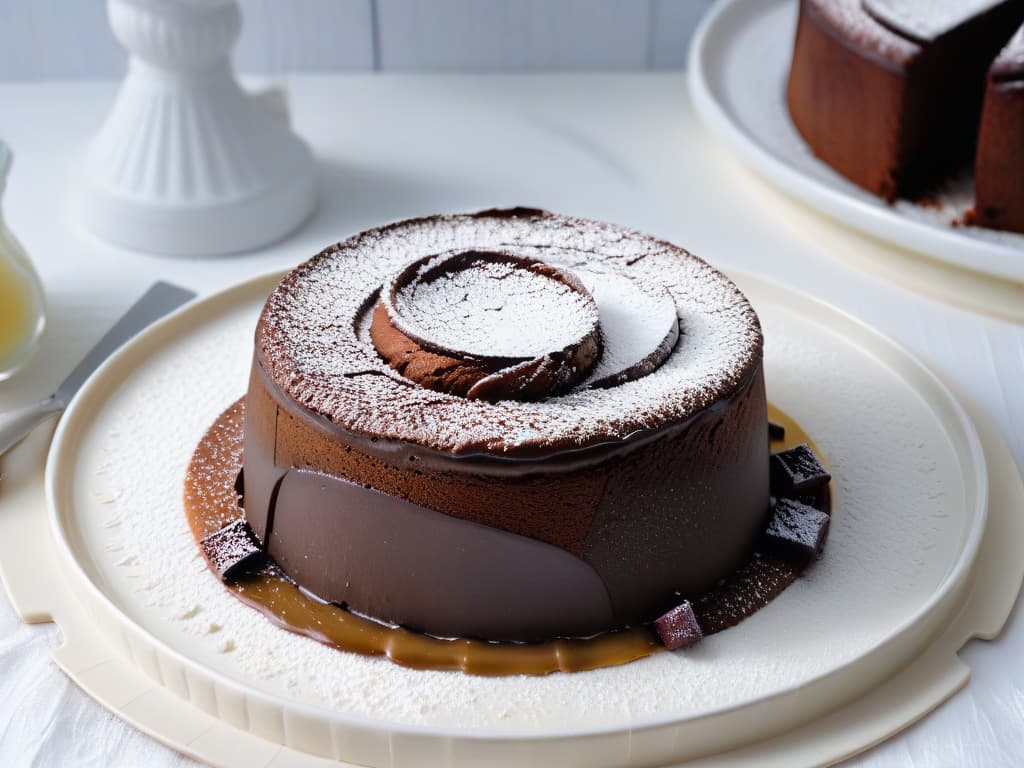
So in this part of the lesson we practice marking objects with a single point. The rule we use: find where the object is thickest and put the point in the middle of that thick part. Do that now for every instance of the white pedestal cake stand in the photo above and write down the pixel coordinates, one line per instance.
(187, 163)
(129, 655)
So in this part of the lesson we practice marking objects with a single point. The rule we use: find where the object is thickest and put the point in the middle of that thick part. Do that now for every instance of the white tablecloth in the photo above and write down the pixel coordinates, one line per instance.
(626, 148)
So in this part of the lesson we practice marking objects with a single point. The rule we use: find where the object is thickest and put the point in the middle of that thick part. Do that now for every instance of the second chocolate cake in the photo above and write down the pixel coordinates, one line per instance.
(511, 426)
(889, 93)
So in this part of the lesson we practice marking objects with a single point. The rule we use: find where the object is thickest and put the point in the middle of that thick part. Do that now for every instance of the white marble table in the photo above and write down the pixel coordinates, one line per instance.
(626, 148)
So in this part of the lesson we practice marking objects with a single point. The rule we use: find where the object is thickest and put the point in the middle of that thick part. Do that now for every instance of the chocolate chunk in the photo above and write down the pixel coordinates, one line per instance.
(797, 471)
(776, 431)
(679, 628)
(796, 532)
(233, 550)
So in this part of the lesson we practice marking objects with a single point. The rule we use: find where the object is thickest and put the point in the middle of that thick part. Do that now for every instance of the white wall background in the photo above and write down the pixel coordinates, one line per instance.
(69, 39)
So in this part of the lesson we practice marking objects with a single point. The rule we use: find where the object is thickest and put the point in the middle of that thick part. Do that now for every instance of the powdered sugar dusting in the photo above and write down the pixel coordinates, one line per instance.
(1011, 59)
(927, 19)
(308, 343)
(853, 19)
(494, 308)
(639, 328)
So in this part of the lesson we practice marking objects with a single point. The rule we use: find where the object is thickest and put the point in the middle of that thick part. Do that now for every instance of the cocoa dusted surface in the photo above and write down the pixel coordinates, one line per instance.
(308, 342)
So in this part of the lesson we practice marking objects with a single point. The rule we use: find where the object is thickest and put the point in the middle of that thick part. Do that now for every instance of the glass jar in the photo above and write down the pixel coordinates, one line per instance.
(22, 306)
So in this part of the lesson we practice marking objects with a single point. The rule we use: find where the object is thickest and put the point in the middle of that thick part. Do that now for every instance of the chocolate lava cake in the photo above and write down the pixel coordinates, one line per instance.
(889, 93)
(510, 426)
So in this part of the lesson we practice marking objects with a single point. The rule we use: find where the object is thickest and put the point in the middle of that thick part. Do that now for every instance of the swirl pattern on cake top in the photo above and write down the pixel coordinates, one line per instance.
(310, 342)
(487, 325)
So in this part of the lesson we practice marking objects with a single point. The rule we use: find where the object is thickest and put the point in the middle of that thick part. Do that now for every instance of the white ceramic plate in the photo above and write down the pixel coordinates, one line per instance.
(739, 63)
(911, 490)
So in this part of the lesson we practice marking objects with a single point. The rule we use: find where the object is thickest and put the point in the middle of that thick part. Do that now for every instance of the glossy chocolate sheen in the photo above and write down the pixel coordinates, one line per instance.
(212, 503)
(386, 557)
(892, 114)
(523, 553)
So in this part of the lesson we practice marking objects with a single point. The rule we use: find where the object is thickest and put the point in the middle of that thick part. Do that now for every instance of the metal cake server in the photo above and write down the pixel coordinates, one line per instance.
(160, 299)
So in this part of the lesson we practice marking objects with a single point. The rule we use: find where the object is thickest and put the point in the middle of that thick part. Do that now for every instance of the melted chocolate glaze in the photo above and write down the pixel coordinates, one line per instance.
(212, 501)
(630, 527)
(405, 564)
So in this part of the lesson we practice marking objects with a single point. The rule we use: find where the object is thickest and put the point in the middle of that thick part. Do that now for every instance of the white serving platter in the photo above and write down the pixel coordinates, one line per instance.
(899, 591)
(738, 66)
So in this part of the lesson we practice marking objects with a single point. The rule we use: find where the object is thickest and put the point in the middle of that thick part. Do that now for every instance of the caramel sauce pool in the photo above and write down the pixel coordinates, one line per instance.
(212, 501)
